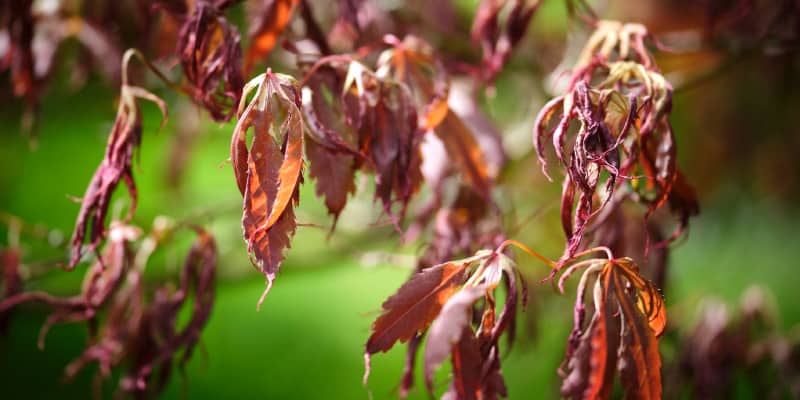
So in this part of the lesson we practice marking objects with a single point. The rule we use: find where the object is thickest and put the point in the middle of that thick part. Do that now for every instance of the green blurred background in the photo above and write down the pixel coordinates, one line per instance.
(738, 143)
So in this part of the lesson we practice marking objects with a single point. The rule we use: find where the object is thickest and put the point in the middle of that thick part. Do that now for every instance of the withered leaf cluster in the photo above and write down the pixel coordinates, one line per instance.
(624, 149)
(612, 137)
(132, 325)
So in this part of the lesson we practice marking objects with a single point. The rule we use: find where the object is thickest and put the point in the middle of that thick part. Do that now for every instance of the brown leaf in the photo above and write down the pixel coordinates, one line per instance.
(629, 315)
(467, 154)
(126, 136)
(334, 173)
(639, 360)
(269, 173)
(415, 305)
(210, 55)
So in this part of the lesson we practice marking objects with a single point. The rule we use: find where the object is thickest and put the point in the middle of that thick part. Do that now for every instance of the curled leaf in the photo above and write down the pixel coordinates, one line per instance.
(126, 136)
(496, 37)
(210, 55)
(270, 170)
(629, 315)
(448, 328)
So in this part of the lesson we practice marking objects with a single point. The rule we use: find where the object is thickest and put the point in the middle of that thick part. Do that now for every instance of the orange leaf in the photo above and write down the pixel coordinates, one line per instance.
(622, 335)
(274, 19)
(639, 361)
(465, 151)
(269, 173)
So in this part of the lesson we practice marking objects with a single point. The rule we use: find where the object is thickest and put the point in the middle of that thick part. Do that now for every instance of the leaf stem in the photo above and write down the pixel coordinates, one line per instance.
(526, 249)
(135, 52)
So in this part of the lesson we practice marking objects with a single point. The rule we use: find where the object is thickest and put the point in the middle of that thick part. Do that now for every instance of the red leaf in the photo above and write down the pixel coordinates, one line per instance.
(390, 129)
(467, 366)
(415, 305)
(334, 173)
(269, 173)
(639, 360)
(622, 335)
(126, 136)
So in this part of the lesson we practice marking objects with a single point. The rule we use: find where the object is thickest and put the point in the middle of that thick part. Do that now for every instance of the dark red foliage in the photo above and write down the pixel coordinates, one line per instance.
(389, 130)
(130, 324)
(126, 135)
(727, 347)
(413, 62)
(11, 280)
(373, 127)
(211, 58)
(390, 108)
(497, 38)
(18, 20)
(629, 315)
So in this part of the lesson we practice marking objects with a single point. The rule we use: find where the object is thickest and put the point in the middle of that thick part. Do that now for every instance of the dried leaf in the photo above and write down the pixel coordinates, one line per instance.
(125, 136)
(210, 55)
(629, 315)
(269, 173)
